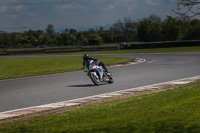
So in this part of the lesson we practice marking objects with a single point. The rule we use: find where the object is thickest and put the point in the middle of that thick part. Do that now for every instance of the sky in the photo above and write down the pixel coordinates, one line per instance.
(21, 15)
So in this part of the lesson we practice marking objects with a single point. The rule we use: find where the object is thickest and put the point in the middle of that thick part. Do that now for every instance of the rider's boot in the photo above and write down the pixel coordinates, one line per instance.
(108, 74)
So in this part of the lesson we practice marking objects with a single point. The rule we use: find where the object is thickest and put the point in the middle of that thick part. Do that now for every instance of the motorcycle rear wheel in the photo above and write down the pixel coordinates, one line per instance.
(111, 80)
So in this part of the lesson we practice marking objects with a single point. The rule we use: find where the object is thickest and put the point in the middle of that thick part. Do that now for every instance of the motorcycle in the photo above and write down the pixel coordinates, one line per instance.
(98, 75)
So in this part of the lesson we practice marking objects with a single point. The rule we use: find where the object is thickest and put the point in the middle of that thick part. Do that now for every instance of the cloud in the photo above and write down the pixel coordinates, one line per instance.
(70, 6)
(11, 9)
(64, 13)
(61, 7)
(153, 2)
(111, 7)
(108, 8)
(3, 9)
(7, 1)
(18, 7)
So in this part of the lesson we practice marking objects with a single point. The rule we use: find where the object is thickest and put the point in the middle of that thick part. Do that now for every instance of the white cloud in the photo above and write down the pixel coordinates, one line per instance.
(18, 7)
(11, 8)
(63, 13)
(111, 7)
(153, 2)
(64, 7)
(108, 8)
(3, 9)
(70, 6)
(132, 7)
(7, 1)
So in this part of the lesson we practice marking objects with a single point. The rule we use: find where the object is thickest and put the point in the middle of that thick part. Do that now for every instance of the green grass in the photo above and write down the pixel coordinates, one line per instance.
(153, 50)
(171, 111)
(16, 68)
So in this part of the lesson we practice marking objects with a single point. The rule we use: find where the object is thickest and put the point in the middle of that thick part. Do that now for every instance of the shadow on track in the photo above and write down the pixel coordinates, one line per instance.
(86, 85)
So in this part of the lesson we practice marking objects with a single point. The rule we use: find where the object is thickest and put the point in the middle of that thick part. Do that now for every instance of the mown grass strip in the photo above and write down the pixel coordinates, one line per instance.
(153, 50)
(16, 68)
(150, 50)
(170, 111)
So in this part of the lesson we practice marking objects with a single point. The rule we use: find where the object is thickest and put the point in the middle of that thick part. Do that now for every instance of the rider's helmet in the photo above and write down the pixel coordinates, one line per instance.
(86, 56)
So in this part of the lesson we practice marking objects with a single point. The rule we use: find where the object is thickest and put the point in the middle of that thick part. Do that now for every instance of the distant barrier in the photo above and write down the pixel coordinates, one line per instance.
(64, 49)
(3, 52)
(166, 44)
(100, 48)
(59, 49)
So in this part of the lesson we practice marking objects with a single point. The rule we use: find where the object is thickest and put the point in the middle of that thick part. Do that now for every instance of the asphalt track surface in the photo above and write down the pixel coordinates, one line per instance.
(39, 90)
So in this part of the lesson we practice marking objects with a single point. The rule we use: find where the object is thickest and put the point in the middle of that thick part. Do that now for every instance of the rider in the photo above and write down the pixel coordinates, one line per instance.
(87, 59)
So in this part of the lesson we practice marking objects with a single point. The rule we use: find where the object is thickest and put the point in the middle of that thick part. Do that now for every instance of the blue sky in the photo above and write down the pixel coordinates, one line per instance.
(22, 15)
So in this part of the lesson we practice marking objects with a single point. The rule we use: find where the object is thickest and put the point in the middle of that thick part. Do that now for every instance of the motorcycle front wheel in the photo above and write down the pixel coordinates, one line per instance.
(94, 77)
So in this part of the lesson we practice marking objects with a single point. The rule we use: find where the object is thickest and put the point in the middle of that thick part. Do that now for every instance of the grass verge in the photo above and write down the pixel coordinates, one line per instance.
(17, 68)
(170, 111)
(150, 50)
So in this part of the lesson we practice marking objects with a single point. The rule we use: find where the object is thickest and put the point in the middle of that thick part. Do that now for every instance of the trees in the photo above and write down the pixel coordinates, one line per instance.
(5, 41)
(106, 35)
(171, 29)
(71, 31)
(124, 29)
(190, 7)
(193, 32)
(50, 30)
(32, 38)
(149, 29)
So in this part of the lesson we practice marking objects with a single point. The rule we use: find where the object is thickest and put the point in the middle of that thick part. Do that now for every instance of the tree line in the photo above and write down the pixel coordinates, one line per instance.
(148, 29)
